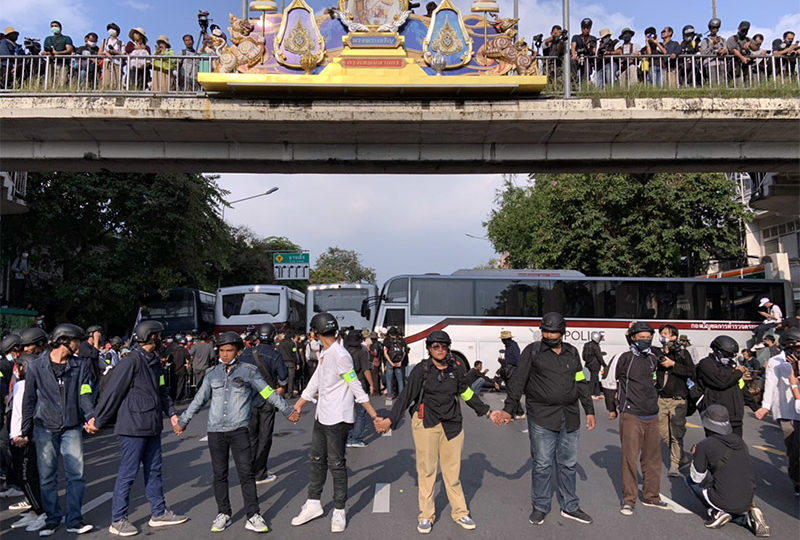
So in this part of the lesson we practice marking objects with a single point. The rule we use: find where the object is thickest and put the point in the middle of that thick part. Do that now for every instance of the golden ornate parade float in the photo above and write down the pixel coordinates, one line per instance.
(374, 47)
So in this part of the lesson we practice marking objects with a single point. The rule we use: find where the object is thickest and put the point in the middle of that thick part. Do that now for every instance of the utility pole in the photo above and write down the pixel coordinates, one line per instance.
(714, 9)
(567, 55)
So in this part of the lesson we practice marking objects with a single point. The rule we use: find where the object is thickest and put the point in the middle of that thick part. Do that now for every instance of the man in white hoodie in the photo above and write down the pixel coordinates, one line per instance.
(779, 399)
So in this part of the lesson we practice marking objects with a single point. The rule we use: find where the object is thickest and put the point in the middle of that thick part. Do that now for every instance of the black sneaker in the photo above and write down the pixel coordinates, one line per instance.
(80, 528)
(578, 515)
(718, 519)
(656, 503)
(536, 517)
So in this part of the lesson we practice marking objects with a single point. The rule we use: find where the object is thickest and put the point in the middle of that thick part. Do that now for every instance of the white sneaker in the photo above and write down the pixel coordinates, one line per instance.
(37, 524)
(24, 520)
(256, 524)
(21, 505)
(338, 520)
(310, 510)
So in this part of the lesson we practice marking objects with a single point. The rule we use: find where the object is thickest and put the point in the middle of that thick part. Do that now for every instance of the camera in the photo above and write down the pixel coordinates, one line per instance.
(203, 20)
(413, 5)
(537, 40)
(32, 45)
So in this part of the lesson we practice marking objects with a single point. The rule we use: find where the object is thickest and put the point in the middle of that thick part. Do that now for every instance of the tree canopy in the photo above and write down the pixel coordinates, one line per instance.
(341, 265)
(614, 224)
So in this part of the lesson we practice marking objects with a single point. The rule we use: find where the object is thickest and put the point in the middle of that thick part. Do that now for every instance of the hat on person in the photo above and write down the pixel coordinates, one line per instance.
(505, 334)
(626, 30)
(165, 39)
(113, 26)
(9, 31)
(684, 340)
(716, 419)
(604, 32)
(138, 30)
(763, 302)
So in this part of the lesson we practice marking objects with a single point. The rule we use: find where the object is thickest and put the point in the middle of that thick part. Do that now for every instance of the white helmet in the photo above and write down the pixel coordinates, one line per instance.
(596, 336)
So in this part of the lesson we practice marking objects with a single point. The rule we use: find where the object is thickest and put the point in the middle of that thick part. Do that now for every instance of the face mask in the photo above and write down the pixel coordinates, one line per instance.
(91, 43)
(552, 342)
(742, 33)
(664, 340)
(643, 345)
(217, 32)
(112, 33)
(55, 30)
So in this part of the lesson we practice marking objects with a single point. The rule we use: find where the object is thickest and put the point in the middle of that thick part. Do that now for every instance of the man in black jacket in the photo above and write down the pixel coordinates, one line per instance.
(675, 367)
(593, 360)
(638, 419)
(291, 358)
(551, 376)
(58, 396)
(722, 383)
(89, 352)
(722, 477)
(137, 393)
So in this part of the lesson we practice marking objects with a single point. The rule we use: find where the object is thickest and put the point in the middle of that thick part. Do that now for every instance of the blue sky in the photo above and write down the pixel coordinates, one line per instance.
(399, 224)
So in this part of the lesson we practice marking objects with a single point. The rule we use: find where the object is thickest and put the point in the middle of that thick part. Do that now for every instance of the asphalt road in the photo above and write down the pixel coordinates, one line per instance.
(382, 488)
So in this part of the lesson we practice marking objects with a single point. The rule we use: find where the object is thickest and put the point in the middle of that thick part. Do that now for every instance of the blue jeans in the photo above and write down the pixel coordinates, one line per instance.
(398, 373)
(132, 452)
(481, 384)
(360, 426)
(548, 448)
(49, 445)
(739, 519)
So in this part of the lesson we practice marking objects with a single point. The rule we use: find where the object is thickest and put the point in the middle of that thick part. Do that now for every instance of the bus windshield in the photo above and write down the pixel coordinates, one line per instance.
(251, 303)
(339, 299)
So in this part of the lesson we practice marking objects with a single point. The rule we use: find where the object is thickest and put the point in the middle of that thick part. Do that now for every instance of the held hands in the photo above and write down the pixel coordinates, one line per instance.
(382, 425)
(294, 417)
(90, 428)
(500, 417)
(19, 442)
(176, 427)
(761, 413)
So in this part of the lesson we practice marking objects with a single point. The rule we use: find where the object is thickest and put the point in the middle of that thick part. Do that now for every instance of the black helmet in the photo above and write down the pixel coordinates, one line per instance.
(145, 330)
(393, 331)
(66, 331)
(553, 322)
(32, 335)
(324, 324)
(640, 326)
(116, 340)
(725, 345)
(9, 343)
(437, 336)
(353, 338)
(230, 338)
(586, 23)
(688, 30)
(94, 328)
(744, 25)
(266, 332)
(24, 359)
(714, 23)
(789, 337)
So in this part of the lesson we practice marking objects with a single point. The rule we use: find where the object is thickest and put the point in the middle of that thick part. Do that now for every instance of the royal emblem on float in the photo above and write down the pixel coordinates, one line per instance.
(447, 36)
(299, 43)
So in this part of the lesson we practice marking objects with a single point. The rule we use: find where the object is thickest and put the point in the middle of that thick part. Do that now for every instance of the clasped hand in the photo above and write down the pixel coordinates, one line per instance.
(382, 425)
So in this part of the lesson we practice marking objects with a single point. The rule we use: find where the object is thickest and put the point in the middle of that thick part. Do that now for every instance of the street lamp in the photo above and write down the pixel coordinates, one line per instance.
(475, 236)
(270, 191)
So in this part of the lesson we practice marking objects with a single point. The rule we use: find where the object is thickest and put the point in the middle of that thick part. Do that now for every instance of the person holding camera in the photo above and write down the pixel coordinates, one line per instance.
(582, 47)
(675, 367)
(163, 67)
(713, 51)
(58, 45)
(668, 66)
(139, 65)
(607, 47)
(627, 65)
(737, 45)
(778, 398)
(690, 72)
(553, 46)
(785, 52)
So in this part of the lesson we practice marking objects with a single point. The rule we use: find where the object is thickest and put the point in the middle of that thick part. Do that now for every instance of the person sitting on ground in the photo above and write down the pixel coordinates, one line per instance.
(477, 380)
(722, 477)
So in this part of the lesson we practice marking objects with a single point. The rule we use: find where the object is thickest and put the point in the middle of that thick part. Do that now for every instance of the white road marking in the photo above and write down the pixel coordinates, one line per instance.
(381, 503)
(388, 403)
(94, 503)
(387, 434)
(204, 439)
(675, 507)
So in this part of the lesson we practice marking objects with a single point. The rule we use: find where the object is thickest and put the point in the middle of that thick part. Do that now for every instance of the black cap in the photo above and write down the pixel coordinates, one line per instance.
(586, 23)
(716, 418)
(266, 332)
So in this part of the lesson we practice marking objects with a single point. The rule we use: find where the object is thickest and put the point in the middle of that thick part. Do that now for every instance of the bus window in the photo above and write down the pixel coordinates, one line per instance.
(745, 297)
(395, 317)
(441, 297)
(578, 299)
(397, 291)
(623, 300)
(713, 301)
(501, 298)
(552, 293)
(251, 304)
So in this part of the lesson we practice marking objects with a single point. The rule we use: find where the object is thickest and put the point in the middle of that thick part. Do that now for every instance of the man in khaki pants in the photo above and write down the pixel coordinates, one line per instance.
(432, 393)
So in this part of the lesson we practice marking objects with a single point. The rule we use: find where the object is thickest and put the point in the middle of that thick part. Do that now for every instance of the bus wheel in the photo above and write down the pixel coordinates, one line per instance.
(461, 358)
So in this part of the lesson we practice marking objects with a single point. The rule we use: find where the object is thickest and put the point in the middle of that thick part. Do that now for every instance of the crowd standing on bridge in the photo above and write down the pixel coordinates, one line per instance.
(72, 381)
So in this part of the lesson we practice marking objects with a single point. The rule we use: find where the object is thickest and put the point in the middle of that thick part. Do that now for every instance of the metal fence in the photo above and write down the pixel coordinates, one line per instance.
(177, 75)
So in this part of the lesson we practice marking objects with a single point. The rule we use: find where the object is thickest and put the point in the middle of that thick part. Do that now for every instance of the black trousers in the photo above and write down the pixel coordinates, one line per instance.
(327, 454)
(262, 425)
(180, 384)
(26, 475)
(594, 383)
(237, 444)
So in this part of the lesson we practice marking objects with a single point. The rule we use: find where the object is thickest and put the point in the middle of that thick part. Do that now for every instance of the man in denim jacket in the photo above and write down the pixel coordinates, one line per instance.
(231, 386)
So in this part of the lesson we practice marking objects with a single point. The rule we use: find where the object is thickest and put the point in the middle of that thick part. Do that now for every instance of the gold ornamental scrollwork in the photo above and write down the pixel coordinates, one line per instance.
(447, 40)
(299, 40)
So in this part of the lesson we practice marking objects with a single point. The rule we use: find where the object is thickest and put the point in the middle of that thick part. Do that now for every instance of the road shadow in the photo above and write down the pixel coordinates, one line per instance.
(610, 460)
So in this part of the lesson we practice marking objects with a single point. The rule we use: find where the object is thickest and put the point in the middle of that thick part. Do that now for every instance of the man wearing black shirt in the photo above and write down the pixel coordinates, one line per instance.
(551, 377)
(511, 357)
(675, 367)
(583, 48)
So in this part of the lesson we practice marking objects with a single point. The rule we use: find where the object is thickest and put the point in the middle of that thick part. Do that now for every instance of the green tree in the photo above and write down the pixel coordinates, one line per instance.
(250, 258)
(341, 265)
(99, 240)
(614, 224)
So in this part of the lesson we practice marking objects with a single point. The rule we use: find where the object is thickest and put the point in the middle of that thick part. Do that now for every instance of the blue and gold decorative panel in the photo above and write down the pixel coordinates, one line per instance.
(447, 36)
(299, 43)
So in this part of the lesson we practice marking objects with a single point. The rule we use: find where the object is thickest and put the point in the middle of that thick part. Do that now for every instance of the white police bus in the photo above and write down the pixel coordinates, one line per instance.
(243, 308)
(351, 303)
(475, 306)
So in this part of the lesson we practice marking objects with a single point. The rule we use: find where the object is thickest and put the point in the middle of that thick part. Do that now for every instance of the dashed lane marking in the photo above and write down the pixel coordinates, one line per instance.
(94, 503)
(204, 439)
(770, 450)
(381, 502)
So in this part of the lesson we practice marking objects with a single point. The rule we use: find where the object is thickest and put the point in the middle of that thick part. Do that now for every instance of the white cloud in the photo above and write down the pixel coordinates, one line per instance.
(32, 17)
(138, 6)
(397, 223)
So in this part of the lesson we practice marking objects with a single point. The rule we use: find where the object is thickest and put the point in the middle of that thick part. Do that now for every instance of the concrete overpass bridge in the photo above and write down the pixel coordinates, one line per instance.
(408, 136)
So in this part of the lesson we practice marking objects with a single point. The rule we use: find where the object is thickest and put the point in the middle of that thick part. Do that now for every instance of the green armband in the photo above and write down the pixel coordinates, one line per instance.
(349, 377)
(161, 381)
(579, 376)
(86, 389)
(467, 394)
(266, 392)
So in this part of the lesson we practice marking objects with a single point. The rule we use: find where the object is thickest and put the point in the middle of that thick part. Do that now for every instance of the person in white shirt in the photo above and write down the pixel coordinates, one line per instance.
(772, 315)
(779, 398)
(335, 389)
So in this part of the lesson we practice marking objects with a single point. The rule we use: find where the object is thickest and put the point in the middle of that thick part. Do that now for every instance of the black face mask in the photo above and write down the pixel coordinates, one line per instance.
(552, 343)
(643, 345)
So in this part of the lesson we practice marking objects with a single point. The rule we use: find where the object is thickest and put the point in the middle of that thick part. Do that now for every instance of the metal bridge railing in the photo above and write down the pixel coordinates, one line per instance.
(177, 75)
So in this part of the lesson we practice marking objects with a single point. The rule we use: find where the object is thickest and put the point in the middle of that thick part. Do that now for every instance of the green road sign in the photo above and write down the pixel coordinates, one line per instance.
(290, 258)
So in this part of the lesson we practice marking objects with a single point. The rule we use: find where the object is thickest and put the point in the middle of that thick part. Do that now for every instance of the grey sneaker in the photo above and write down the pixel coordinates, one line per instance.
(167, 518)
(123, 527)
(267, 479)
(80, 528)
(466, 523)
(256, 524)
(760, 527)
(717, 520)
(220, 523)
(424, 526)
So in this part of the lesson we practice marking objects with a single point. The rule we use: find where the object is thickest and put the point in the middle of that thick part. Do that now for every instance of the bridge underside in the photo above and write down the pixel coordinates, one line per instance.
(91, 133)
